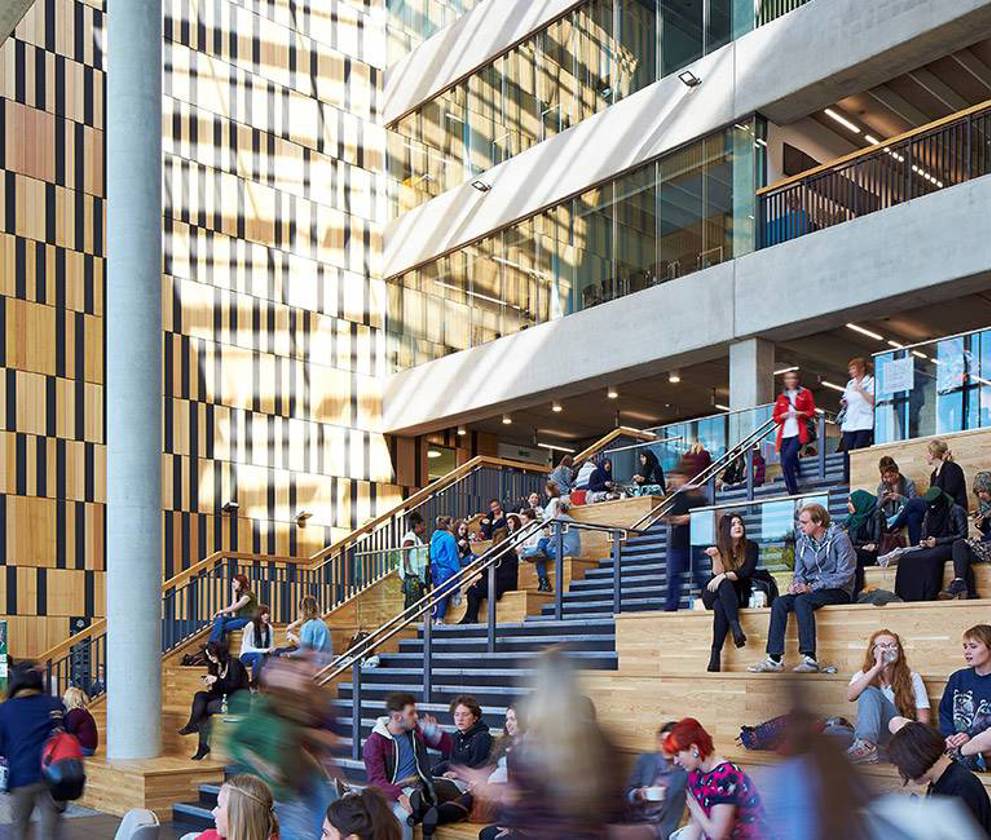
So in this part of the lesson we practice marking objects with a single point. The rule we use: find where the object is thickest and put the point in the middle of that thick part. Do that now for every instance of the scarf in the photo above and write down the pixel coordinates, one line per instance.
(938, 507)
(864, 506)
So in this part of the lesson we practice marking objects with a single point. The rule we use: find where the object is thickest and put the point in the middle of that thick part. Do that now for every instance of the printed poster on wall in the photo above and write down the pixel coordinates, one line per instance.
(896, 375)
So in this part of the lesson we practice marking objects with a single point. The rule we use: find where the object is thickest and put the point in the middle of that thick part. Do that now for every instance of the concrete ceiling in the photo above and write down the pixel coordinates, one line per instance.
(11, 12)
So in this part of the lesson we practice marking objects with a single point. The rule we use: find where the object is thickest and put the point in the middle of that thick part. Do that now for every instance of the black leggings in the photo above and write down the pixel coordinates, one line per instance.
(725, 606)
(963, 557)
(204, 706)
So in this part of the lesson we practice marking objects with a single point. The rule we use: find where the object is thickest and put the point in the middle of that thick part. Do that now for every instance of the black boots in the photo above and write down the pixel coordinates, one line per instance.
(544, 585)
(739, 637)
(202, 752)
(714, 665)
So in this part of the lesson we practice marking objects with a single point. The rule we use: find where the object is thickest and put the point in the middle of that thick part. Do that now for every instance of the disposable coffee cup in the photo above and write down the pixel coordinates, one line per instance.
(655, 794)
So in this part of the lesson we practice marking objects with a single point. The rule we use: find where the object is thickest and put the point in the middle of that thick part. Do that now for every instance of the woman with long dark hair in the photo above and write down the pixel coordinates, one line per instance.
(257, 642)
(239, 612)
(734, 561)
(224, 677)
(884, 688)
(920, 572)
(649, 477)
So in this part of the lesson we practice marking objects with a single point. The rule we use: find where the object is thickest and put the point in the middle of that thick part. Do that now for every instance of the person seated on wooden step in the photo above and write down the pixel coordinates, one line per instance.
(469, 747)
(239, 612)
(865, 527)
(920, 755)
(655, 795)
(225, 677)
(79, 721)
(825, 573)
(894, 491)
(571, 545)
(493, 524)
(947, 475)
(967, 551)
(734, 561)
(507, 576)
(601, 486)
(649, 477)
(361, 815)
(920, 572)
(965, 707)
(245, 808)
(883, 689)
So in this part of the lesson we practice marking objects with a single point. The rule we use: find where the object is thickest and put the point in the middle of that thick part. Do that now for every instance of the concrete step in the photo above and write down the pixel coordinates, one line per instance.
(514, 644)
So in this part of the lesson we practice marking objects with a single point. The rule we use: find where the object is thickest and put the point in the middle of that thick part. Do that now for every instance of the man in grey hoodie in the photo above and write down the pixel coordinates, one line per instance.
(825, 570)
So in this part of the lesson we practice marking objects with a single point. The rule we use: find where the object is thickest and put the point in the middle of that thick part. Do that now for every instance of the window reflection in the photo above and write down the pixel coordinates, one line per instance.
(596, 55)
(668, 218)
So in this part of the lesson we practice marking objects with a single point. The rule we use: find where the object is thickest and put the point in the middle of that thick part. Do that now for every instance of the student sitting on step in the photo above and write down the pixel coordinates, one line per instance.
(734, 561)
(967, 551)
(245, 809)
(361, 815)
(507, 575)
(864, 527)
(965, 707)
(79, 721)
(825, 572)
(947, 475)
(655, 794)
(469, 747)
(919, 754)
(601, 486)
(571, 545)
(225, 676)
(883, 689)
(920, 572)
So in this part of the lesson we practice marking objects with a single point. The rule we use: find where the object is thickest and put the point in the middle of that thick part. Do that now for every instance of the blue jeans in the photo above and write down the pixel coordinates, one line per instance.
(911, 515)
(678, 562)
(804, 607)
(223, 624)
(546, 550)
(440, 610)
(302, 818)
(790, 467)
(874, 712)
(254, 661)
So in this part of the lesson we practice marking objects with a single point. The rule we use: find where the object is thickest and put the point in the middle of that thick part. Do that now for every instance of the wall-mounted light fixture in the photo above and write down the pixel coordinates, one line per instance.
(480, 185)
(230, 506)
(689, 79)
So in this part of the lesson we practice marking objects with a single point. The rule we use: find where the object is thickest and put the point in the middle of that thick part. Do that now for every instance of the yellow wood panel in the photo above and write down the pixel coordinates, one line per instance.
(621, 512)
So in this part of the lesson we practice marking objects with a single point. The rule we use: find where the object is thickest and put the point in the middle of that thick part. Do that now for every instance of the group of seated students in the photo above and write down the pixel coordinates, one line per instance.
(308, 636)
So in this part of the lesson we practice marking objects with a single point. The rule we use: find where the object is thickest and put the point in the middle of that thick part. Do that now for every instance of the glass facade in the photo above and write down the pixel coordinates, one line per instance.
(933, 389)
(688, 210)
(596, 55)
(411, 22)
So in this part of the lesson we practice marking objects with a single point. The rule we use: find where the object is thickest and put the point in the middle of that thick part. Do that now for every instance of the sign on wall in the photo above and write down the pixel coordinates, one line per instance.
(896, 375)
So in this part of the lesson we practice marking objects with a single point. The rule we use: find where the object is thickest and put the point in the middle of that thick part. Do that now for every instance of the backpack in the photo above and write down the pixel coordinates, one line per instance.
(764, 581)
(195, 659)
(62, 767)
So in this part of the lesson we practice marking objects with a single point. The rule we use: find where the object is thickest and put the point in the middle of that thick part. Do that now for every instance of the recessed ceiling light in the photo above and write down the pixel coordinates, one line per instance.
(870, 138)
(555, 447)
(722, 407)
(783, 371)
(842, 121)
(506, 419)
(612, 393)
(433, 453)
(674, 377)
(896, 345)
(462, 431)
(862, 331)
(556, 407)
(826, 384)
(920, 354)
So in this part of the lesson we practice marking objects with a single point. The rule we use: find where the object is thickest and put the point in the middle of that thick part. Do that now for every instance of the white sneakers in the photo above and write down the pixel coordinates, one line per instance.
(808, 665)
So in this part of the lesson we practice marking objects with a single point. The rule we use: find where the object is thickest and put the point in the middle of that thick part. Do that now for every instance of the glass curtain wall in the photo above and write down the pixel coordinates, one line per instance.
(935, 388)
(411, 22)
(594, 56)
(688, 210)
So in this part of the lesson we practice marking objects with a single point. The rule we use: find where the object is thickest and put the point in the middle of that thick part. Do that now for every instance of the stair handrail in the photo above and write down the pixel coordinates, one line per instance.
(489, 558)
(99, 625)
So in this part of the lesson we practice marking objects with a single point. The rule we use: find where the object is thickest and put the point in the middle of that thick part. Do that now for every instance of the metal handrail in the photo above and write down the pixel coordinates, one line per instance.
(642, 444)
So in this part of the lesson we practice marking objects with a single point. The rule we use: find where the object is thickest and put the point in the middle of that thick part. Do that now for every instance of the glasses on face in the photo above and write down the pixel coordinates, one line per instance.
(887, 645)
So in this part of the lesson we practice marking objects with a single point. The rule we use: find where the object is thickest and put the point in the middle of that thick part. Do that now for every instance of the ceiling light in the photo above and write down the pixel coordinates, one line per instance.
(870, 138)
(674, 377)
(920, 354)
(783, 371)
(481, 185)
(896, 345)
(868, 333)
(462, 431)
(722, 407)
(612, 393)
(506, 420)
(842, 120)
(556, 407)
(555, 447)
(980, 379)
(433, 453)
(827, 384)
(689, 79)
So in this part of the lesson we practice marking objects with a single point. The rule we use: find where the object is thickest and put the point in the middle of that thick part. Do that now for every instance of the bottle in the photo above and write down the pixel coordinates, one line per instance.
(223, 705)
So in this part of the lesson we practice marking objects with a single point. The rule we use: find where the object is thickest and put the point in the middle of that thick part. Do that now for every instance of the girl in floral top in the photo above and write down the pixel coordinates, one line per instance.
(723, 802)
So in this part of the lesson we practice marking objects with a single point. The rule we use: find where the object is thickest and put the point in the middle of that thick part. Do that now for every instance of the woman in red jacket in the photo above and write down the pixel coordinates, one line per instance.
(793, 412)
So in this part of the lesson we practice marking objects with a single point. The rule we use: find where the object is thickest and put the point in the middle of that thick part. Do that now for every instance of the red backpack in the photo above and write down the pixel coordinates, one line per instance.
(62, 766)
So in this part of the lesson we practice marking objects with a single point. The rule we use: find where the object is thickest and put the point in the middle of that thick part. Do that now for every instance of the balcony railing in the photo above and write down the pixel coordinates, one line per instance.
(923, 161)
(933, 387)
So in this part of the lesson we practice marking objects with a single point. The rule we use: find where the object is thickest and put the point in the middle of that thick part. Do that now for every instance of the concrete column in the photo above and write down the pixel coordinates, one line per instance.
(751, 373)
(134, 378)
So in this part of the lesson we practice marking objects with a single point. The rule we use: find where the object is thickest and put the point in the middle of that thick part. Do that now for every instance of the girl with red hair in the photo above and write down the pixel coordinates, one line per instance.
(723, 802)
(242, 608)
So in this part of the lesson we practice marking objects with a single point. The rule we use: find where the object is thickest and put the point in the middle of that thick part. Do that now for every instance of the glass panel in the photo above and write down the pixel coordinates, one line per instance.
(681, 34)
(593, 234)
(719, 30)
(636, 235)
(593, 59)
(636, 46)
(486, 272)
(680, 238)
(717, 237)
(558, 91)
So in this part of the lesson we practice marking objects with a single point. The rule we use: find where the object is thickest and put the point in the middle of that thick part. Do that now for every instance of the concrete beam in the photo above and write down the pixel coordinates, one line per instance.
(934, 248)
(463, 46)
(11, 12)
(855, 46)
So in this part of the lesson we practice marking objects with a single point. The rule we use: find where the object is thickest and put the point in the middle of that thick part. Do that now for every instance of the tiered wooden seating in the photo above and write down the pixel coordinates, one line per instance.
(875, 576)
(619, 513)
(662, 660)
(511, 608)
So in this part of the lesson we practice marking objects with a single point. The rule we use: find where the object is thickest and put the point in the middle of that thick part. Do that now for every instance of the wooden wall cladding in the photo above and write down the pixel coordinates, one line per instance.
(273, 313)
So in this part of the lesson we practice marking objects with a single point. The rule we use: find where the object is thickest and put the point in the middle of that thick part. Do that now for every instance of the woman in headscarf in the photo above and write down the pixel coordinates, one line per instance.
(864, 527)
(649, 478)
(969, 551)
(920, 572)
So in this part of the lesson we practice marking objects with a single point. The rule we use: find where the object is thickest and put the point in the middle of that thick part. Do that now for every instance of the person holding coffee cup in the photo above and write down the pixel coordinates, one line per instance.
(883, 689)
(656, 791)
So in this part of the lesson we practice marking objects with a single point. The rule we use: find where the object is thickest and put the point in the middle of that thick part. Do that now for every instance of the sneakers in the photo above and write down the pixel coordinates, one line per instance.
(862, 752)
(807, 666)
(766, 666)
(957, 590)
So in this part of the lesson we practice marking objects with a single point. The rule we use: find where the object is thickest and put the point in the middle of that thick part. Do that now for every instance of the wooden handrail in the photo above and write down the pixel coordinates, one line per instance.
(99, 625)
(868, 150)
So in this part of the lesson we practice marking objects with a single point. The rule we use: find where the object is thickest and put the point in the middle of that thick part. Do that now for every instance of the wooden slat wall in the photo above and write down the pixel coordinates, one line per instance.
(273, 310)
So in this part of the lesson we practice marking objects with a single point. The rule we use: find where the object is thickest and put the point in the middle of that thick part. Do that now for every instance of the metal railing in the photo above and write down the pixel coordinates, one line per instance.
(917, 163)
(768, 10)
